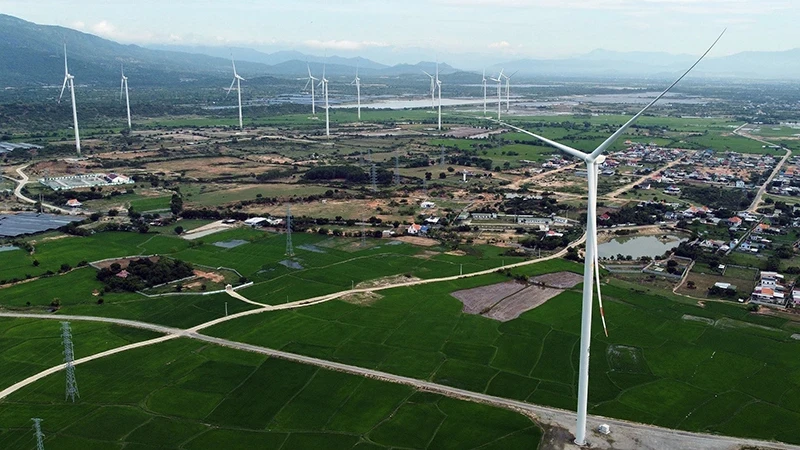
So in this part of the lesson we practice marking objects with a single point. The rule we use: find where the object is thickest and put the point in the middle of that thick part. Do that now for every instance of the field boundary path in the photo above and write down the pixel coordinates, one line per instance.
(763, 189)
(625, 434)
(619, 191)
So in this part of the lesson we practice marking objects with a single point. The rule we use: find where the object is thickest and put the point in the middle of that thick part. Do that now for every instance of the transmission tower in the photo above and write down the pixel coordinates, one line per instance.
(69, 357)
(373, 177)
(396, 170)
(37, 431)
(425, 187)
(441, 156)
(289, 247)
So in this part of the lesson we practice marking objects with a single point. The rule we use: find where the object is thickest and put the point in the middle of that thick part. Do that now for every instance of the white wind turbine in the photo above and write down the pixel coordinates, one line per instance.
(439, 85)
(324, 84)
(499, 81)
(123, 84)
(484, 92)
(357, 82)
(310, 82)
(237, 81)
(433, 89)
(591, 267)
(69, 79)
(508, 89)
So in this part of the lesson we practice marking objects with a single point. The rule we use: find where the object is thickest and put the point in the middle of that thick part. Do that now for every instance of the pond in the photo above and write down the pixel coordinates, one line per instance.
(638, 246)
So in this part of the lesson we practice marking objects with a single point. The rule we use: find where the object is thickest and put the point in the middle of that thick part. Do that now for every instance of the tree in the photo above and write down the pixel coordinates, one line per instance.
(176, 204)
(691, 285)
(442, 175)
(179, 230)
(428, 175)
(35, 263)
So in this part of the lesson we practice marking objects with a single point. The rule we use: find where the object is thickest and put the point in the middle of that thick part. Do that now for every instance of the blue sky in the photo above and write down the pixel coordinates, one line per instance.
(392, 31)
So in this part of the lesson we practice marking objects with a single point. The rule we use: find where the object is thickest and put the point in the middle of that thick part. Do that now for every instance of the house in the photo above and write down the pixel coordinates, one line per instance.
(432, 220)
(672, 190)
(115, 178)
(552, 233)
(427, 205)
(73, 203)
(122, 274)
(256, 221)
(483, 216)
(696, 210)
(414, 229)
(770, 290)
(735, 222)
(604, 218)
(387, 233)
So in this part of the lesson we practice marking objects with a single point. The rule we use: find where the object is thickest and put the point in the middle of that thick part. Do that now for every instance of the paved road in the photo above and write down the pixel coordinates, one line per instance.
(21, 184)
(624, 434)
(763, 189)
(641, 180)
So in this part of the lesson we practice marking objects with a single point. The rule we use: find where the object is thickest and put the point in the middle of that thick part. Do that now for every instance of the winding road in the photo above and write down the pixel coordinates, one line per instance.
(763, 189)
(22, 181)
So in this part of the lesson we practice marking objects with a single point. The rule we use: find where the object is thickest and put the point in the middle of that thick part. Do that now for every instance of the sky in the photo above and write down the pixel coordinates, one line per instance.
(393, 31)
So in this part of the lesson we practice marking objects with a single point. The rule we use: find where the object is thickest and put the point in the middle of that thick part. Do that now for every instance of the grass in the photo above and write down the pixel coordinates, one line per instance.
(184, 394)
(655, 367)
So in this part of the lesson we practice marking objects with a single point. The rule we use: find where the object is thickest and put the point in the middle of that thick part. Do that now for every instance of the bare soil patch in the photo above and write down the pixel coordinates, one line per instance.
(427, 254)
(386, 281)
(362, 298)
(213, 276)
(559, 280)
(456, 253)
(525, 300)
(415, 240)
(480, 299)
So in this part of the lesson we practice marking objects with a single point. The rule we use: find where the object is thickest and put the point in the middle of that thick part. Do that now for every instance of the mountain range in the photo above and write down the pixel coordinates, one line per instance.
(32, 54)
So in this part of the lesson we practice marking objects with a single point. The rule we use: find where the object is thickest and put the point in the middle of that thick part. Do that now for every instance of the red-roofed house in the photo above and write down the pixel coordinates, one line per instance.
(123, 273)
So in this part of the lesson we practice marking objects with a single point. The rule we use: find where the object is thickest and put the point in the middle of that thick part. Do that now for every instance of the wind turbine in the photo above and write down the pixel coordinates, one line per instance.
(439, 85)
(324, 84)
(357, 82)
(433, 89)
(69, 79)
(311, 81)
(499, 81)
(484, 92)
(124, 84)
(237, 81)
(591, 270)
(508, 89)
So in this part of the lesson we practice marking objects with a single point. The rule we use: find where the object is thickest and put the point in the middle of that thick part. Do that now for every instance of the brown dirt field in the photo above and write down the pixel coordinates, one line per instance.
(207, 166)
(121, 261)
(361, 298)
(271, 159)
(386, 281)
(478, 300)
(456, 253)
(525, 300)
(427, 254)
(415, 240)
(559, 280)
(128, 155)
(212, 276)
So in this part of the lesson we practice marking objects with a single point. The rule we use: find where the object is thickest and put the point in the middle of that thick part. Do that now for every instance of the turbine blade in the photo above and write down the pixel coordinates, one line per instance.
(309, 70)
(230, 88)
(234, 65)
(564, 148)
(426, 73)
(597, 282)
(307, 83)
(602, 147)
(121, 83)
(66, 70)
(63, 86)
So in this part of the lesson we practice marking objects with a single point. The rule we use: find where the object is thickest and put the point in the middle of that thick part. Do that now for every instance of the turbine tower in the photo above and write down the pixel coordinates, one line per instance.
(69, 79)
(123, 84)
(499, 81)
(433, 89)
(324, 84)
(508, 90)
(357, 82)
(439, 85)
(237, 81)
(590, 271)
(484, 92)
(310, 82)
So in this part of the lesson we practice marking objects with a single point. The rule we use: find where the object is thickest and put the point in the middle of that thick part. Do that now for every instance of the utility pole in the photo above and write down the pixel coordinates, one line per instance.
(37, 431)
(363, 234)
(396, 170)
(69, 357)
(461, 269)
(373, 176)
(226, 309)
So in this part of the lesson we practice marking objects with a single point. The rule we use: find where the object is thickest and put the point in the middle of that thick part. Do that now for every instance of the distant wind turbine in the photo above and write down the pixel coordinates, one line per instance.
(439, 85)
(237, 81)
(433, 89)
(508, 90)
(123, 84)
(591, 270)
(324, 84)
(311, 83)
(499, 81)
(69, 79)
(484, 92)
(357, 82)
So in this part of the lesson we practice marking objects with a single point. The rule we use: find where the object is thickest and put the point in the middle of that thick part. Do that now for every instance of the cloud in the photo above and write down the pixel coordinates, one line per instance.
(500, 45)
(343, 44)
(78, 25)
(638, 6)
(104, 28)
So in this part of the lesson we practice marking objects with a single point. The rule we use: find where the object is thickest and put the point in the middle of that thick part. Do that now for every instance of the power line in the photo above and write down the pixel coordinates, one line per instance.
(69, 357)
